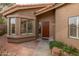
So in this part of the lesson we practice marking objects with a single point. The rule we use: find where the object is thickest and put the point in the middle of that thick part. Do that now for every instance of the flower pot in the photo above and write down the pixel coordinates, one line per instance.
(56, 51)
(65, 54)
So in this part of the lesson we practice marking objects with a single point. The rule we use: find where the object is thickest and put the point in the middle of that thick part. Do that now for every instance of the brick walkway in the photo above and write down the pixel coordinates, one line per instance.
(32, 48)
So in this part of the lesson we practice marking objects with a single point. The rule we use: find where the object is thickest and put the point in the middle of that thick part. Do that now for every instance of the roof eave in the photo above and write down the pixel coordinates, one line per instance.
(24, 6)
(46, 10)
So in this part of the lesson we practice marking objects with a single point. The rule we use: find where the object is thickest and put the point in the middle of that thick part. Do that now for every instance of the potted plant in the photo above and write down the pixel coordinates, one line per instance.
(55, 47)
(60, 49)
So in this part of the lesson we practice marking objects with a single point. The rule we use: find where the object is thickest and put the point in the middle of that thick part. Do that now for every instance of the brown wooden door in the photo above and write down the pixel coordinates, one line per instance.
(45, 29)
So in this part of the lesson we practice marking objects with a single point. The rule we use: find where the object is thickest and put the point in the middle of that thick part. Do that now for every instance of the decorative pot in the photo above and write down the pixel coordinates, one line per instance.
(65, 54)
(56, 51)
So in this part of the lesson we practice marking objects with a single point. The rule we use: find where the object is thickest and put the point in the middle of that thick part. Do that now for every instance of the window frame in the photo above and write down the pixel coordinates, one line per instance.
(27, 21)
(10, 26)
(27, 26)
(21, 25)
(77, 22)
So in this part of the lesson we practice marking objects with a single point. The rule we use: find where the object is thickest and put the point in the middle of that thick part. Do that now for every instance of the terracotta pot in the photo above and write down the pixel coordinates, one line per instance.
(56, 51)
(65, 54)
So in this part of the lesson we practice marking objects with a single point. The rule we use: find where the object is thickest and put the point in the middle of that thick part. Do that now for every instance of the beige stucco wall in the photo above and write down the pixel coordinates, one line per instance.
(48, 16)
(61, 17)
(26, 12)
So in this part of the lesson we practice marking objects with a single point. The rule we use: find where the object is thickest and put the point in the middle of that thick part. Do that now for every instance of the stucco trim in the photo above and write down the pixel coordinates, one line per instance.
(21, 16)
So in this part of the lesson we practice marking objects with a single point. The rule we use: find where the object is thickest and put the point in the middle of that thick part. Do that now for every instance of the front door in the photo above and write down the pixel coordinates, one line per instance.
(45, 29)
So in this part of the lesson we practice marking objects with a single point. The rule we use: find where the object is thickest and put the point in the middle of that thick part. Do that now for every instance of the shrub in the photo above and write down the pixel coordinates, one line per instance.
(2, 29)
(2, 21)
(2, 26)
(55, 44)
(69, 49)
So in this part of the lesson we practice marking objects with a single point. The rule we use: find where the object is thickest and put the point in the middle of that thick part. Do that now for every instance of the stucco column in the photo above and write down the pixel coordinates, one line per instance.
(37, 28)
(52, 30)
(34, 27)
(17, 26)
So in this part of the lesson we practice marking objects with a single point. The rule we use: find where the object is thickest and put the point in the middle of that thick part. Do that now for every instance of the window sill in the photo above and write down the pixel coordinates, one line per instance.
(28, 34)
(20, 36)
(73, 37)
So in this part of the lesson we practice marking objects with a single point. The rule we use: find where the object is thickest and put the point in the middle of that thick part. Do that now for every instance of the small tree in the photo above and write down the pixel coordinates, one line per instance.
(2, 21)
(2, 26)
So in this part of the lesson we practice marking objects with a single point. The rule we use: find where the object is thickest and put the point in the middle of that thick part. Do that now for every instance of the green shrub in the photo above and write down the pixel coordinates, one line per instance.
(2, 21)
(2, 32)
(69, 49)
(3, 29)
(55, 44)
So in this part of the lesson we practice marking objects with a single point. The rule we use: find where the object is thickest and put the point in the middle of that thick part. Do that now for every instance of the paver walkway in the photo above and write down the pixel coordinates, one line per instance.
(32, 48)
(42, 49)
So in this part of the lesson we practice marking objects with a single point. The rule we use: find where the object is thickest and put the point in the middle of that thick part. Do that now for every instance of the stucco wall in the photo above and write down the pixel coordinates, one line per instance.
(48, 16)
(61, 17)
(26, 12)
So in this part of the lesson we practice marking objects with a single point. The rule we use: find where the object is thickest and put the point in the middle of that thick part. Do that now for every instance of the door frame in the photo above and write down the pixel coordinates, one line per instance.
(40, 23)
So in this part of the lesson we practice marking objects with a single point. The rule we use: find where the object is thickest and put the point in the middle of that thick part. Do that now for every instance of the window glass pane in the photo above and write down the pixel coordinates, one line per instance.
(73, 26)
(30, 25)
(12, 21)
(23, 25)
